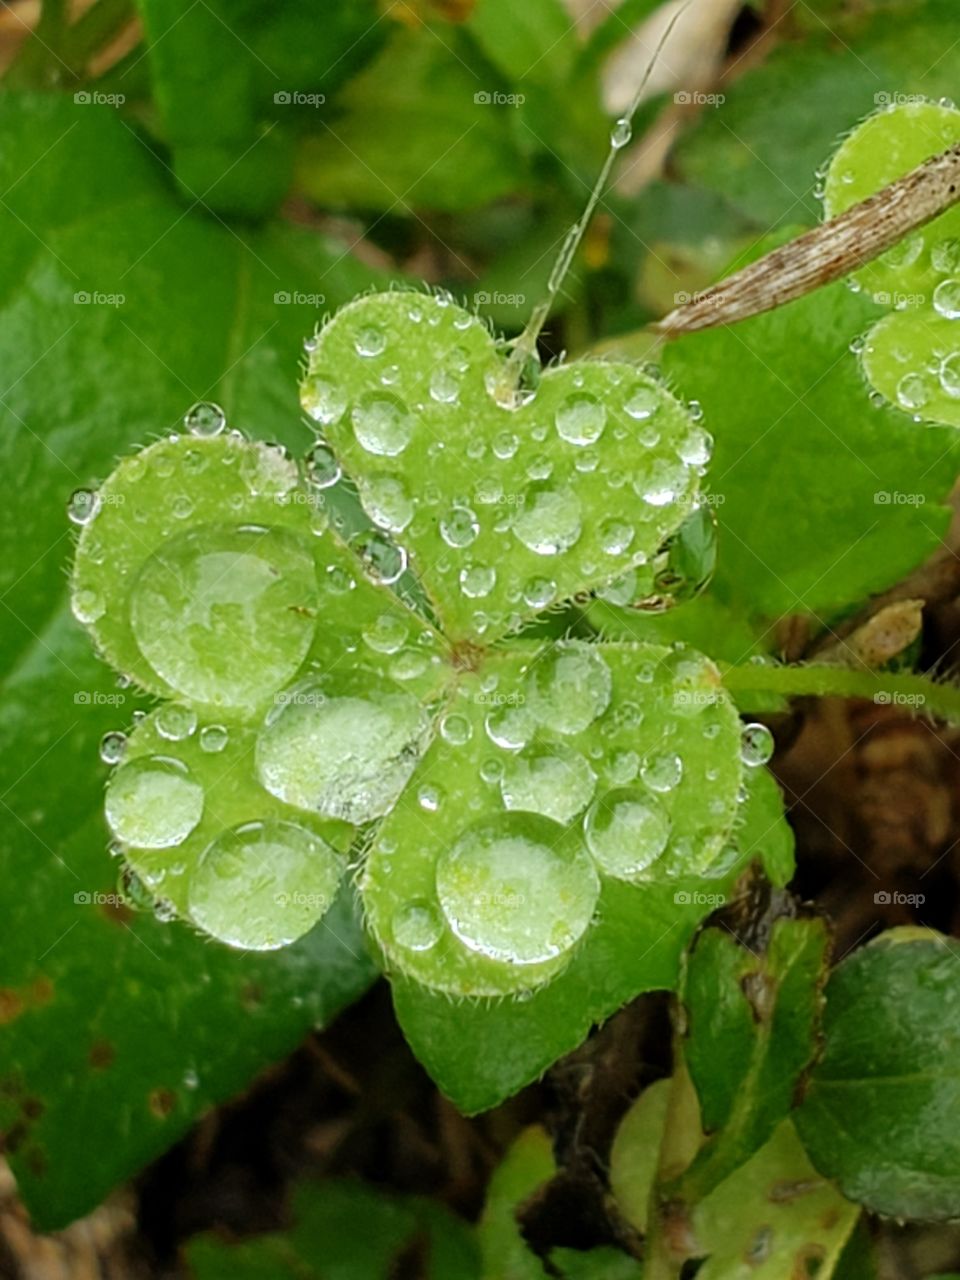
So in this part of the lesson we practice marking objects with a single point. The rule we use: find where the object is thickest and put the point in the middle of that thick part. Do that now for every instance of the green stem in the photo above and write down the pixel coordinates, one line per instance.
(907, 690)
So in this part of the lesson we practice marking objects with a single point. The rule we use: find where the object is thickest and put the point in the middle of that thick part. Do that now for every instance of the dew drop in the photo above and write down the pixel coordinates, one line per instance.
(383, 424)
(459, 527)
(554, 781)
(538, 592)
(456, 729)
(444, 387)
(87, 606)
(213, 738)
(153, 802)
(505, 445)
(477, 580)
(417, 926)
(949, 374)
(83, 506)
(204, 419)
(429, 797)
(621, 133)
(175, 721)
(387, 635)
(383, 561)
(322, 467)
(756, 745)
(387, 502)
(517, 889)
(323, 399)
(642, 403)
(946, 299)
(262, 885)
(662, 773)
(616, 536)
(913, 391)
(343, 754)
(215, 598)
(510, 725)
(580, 419)
(570, 688)
(549, 520)
(945, 256)
(370, 342)
(626, 830)
(112, 747)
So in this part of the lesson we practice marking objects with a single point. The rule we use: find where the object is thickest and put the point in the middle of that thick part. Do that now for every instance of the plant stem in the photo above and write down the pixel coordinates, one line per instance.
(524, 348)
(908, 690)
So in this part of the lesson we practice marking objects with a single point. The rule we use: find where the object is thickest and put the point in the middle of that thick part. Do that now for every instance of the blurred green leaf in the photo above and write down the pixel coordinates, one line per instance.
(880, 1110)
(118, 309)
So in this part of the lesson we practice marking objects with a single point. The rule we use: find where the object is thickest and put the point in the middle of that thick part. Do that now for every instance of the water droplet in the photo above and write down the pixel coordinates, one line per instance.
(662, 773)
(204, 419)
(518, 888)
(213, 738)
(552, 780)
(949, 374)
(387, 502)
(626, 831)
(444, 386)
(262, 885)
(642, 403)
(417, 926)
(175, 720)
(84, 505)
(323, 399)
(538, 593)
(756, 744)
(904, 254)
(344, 751)
(459, 527)
(153, 802)
(580, 419)
(946, 299)
(456, 729)
(696, 447)
(322, 467)
(477, 580)
(383, 424)
(913, 391)
(569, 688)
(87, 606)
(112, 747)
(370, 342)
(383, 561)
(549, 521)
(616, 536)
(387, 635)
(510, 725)
(945, 256)
(212, 598)
(621, 133)
(505, 445)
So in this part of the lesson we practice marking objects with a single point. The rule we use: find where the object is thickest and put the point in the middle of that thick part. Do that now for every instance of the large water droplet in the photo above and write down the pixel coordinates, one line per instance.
(580, 419)
(946, 299)
(323, 399)
(510, 725)
(569, 688)
(549, 522)
(204, 419)
(153, 802)
(342, 754)
(554, 781)
(383, 424)
(387, 502)
(518, 888)
(262, 885)
(626, 830)
(663, 772)
(621, 133)
(226, 615)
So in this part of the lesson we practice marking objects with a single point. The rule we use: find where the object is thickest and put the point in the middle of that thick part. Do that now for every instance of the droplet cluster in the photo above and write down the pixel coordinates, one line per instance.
(912, 356)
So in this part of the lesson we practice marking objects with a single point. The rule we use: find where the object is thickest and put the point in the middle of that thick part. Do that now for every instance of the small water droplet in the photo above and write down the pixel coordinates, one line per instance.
(538, 593)
(626, 830)
(456, 729)
(417, 926)
(459, 527)
(112, 747)
(569, 688)
(580, 419)
(204, 419)
(213, 738)
(621, 133)
(552, 780)
(383, 561)
(153, 802)
(175, 720)
(444, 386)
(322, 398)
(756, 745)
(549, 520)
(642, 403)
(387, 502)
(383, 424)
(477, 580)
(946, 299)
(616, 536)
(322, 467)
(370, 342)
(83, 506)
(662, 773)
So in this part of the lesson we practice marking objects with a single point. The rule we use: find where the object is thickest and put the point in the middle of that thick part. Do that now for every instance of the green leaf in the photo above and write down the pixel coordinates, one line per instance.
(751, 1019)
(234, 82)
(880, 1110)
(344, 1231)
(536, 43)
(413, 133)
(773, 1218)
(525, 506)
(762, 830)
(764, 160)
(110, 1016)
(826, 497)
